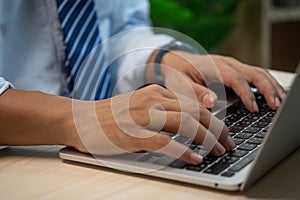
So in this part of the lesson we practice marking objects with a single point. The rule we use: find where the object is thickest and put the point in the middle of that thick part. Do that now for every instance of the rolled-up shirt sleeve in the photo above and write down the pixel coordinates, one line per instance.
(4, 85)
(132, 43)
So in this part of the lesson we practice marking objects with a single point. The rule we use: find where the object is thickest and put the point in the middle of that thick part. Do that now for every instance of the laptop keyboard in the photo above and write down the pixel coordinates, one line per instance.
(247, 130)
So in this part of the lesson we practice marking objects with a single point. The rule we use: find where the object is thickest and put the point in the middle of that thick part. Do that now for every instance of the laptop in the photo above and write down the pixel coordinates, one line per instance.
(262, 140)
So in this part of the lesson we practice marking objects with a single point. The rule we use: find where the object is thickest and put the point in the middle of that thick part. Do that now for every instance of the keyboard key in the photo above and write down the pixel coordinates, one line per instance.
(244, 162)
(260, 100)
(247, 147)
(158, 154)
(267, 119)
(209, 159)
(262, 111)
(243, 124)
(252, 130)
(228, 174)
(235, 129)
(232, 109)
(217, 168)
(201, 150)
(250, 119)
(243, 135)
(253, 117)
(178, 164)
(193, 146)
(229, 159)
(243, 112)
(197, 168)
(229, 122)
(255, 140)
(182, 139)
(240, 165)
(145, 157)
(238, 141)
(261, 134)
(167, 133)
(260, 124)
(271, 114)
(234, 118)
(238, 153)
(165, 160)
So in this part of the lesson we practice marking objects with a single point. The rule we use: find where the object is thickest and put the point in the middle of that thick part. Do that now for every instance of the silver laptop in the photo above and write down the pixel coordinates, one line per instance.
(263, 139)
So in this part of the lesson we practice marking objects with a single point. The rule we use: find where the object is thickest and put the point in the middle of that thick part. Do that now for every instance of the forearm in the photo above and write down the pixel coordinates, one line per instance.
(35, 118)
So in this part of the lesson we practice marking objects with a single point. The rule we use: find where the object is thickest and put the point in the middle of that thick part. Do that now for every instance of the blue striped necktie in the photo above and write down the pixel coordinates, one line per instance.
(87, 75)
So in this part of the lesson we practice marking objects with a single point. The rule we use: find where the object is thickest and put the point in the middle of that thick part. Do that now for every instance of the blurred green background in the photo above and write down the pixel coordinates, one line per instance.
(206, 21)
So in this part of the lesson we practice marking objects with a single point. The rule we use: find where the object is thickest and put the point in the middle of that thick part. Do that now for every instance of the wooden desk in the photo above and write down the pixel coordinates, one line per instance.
(38, 173)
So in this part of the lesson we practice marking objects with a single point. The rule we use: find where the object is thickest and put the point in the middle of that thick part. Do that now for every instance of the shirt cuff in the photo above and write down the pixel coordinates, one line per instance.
(4, 85)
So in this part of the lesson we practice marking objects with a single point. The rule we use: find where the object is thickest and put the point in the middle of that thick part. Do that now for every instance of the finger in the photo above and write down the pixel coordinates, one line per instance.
(240, 85)
(183, 104)
(204, 95)
(164, 144)
(185, 117)
(280, 90)
(265, 86)
(186, 125)
(178, 115)
(217, 128)
(257, 70)
(199, 90)
(263, 80)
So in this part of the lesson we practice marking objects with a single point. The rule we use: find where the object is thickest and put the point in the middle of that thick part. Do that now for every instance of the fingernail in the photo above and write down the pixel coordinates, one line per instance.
(277, 102)
(230, 143)
(196, 158)
(255, 106)
(220, 149)
(209, 99)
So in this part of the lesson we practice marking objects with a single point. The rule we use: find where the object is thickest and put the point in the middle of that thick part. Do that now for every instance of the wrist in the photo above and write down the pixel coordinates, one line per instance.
(65, 119)
(70, 134)
(161, 60)
(59, 122)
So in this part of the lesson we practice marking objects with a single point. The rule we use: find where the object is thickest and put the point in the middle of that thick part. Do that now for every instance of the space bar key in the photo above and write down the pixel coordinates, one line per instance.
(244, 162)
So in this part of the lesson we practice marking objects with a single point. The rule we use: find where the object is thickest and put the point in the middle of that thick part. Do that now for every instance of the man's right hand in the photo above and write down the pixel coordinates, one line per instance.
(131, 122)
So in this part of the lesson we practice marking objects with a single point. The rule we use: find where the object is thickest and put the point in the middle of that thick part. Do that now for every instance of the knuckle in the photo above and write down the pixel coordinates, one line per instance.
(247, 95)
(238, 79)
(215, 57)
(229, 59)
(162, 140)
(232, 59)
(258, 71)
(203, 110)
(270, 92)
(177, 118)
(185, 117)
(156, 87)
(261, 70)
(148, 97)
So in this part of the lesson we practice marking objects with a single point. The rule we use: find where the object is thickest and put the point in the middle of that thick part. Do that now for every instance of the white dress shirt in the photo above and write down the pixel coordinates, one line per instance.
(32, 50)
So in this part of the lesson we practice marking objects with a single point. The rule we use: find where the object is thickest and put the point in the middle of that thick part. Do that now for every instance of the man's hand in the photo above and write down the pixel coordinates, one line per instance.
(125, 123)
(203, 70)
(131, 122)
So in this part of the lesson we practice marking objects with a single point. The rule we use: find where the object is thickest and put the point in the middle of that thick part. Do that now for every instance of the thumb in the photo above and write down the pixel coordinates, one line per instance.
(206, 96)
